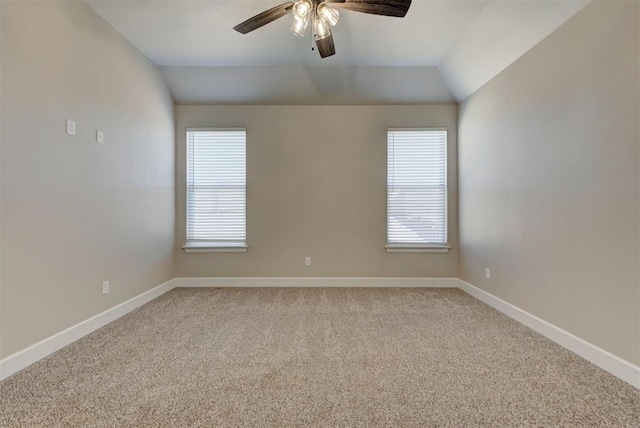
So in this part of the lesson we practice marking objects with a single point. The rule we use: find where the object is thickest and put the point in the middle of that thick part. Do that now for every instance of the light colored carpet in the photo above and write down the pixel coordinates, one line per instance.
(316, 357)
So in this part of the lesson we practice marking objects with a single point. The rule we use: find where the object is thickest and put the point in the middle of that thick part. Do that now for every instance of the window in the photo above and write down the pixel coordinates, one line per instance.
(216, 190)
(417, 190)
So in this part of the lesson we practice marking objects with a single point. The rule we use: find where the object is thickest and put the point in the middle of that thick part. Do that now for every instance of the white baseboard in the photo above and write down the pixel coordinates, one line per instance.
(318, 282)
(623, 369)
(21, 359)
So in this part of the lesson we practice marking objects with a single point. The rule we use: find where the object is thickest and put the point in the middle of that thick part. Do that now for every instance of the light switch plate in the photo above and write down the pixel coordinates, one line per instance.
(100, 137)
(71, 127)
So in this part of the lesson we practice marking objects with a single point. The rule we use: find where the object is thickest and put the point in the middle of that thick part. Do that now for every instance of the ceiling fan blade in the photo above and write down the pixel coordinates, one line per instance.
(326, 47)
(396, 8)
(264, 18)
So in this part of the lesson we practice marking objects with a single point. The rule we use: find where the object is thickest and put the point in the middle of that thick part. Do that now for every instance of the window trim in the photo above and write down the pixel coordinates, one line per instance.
(202, 246)
(211, 247)
(426, 247)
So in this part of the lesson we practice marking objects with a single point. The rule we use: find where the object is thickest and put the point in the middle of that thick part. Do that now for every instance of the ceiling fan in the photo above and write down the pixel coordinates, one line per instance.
(323, 14)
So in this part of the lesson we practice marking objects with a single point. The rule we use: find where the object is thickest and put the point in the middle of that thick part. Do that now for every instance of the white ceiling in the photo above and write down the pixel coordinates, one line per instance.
(200, 32)
(470, 40)
(316, 85)
(500, 34)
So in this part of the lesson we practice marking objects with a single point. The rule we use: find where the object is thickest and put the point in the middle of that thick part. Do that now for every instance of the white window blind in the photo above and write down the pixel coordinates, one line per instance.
(417, 187)
(216, 187)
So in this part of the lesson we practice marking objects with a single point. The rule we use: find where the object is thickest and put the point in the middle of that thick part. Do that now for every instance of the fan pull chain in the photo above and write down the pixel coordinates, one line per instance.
(313, 28)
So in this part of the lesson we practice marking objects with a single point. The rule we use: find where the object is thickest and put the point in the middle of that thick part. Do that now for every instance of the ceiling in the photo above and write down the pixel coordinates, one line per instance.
(315, 85)
(469, 41)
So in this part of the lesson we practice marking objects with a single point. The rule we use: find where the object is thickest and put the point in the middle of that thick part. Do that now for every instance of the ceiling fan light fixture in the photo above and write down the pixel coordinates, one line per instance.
(328, 13)
(299, 26)
(321, 28)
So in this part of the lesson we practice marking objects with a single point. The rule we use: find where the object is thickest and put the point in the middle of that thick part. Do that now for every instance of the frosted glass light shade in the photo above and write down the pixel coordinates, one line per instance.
(321, 28)
(298, 27)
(302, 9)
(328, 13)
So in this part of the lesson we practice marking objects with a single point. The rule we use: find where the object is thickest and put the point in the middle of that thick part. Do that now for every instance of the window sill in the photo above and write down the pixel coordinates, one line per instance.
(214, 248)
(418, 248)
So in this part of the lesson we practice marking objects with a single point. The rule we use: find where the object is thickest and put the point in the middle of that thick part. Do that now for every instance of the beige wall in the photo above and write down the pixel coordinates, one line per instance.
(74, 212)
(1, 38)
(316, 180)
(549, 190)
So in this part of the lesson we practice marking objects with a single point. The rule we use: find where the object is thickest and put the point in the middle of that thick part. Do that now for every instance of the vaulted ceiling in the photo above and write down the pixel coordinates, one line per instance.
(442, 51)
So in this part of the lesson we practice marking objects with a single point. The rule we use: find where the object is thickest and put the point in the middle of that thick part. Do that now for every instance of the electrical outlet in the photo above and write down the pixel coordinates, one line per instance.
(99, 137)
(487, 273)
(71, 127)
(307, 261)
(105, 287)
